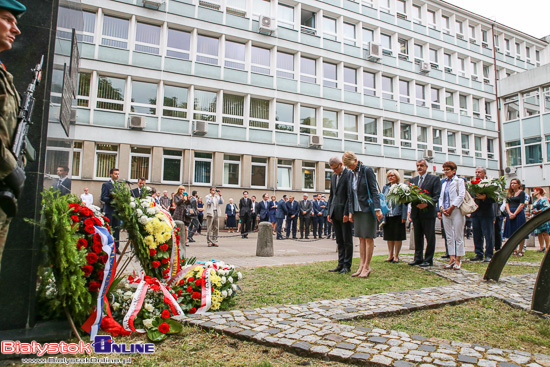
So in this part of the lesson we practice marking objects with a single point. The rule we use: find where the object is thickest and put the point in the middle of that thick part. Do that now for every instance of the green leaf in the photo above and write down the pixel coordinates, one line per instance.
(175, 327)
(155, 335)
(157, 321)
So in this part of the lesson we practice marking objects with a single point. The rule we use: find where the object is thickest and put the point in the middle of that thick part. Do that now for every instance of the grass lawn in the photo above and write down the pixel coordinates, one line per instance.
(486, 321)
(292, 284)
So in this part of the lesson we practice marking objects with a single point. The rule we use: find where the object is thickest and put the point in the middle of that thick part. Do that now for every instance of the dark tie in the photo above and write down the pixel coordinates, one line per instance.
(421, 181)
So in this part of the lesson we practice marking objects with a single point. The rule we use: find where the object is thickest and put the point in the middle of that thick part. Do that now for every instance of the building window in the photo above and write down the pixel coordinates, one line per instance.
(307, 22)
(147, 38)
(328, 177)
(330, 78)
(233, 109)
(308, 70)
(179, 44)
(106, 158)
(478, 146)
(175, 102)
(533, 150)
(513, 153)
(422, 137)
(507, 44)
(140, 159)
(387, 87)
(205, 105)
(401, 7)
(476, 108)
(546, 91)
(449, 101)
(115, 32)
(350, 79)
(418, 51)
(417, 14)
(451, 142)
(548, 148)
(260, 62)
(484, 36)
(404, 92)
(459, 28)
(261, 7)
(420, 95)
(436, 102)
(69, 19)
(58, 153)
(406, 136)
(349, 34)
(258, 172)
(511, 108)
(234, 55)
(371, 130)
(434, 57)
(351, 130)
(462, 66)
(284, 174)
(403, 46)
(144, 98)
(308, 175)
(432, 19)
(518, 49)
(531, 103)
(330, 123)
(329, 28)
(473, 69)
(207, 49)
(284, 116)
(488, 111)
(388, 132)
(368, 36)
(259, 113)
(446, 23)
(202, 168)
(171, 165)
(285, 14)
(486, 72)
(447, 59)
(386, 42)
(307, 120)
(231, 170)
(437, 139)
(490, 148)
(384, 5)
(83, 94)
(465, 144)
(369, 84)
(472, 32)
(463, 104)
(285, 65)
(110, 93)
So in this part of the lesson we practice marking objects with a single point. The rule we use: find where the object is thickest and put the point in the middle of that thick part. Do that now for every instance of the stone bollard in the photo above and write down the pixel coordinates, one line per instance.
(181, 227)
(531, 241)
(264, 246)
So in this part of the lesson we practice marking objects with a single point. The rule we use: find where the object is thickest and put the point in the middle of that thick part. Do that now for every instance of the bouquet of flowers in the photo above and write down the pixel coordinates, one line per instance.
(408, 193)
(495, 188)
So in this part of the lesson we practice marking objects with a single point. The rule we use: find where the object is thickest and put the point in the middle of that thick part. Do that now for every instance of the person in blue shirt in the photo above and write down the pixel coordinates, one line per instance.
(280, 215)
(293, 209)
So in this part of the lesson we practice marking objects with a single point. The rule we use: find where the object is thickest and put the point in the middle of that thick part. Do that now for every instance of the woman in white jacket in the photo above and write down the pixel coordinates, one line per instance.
(453, 190)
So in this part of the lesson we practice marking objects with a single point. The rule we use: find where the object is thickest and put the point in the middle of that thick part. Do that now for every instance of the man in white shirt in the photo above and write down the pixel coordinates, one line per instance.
(212, 201)
(87, 198)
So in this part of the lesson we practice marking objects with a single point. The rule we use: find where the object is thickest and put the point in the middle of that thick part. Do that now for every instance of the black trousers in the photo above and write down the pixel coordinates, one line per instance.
(304, 221)
(193, 227)
(291, 223)
(114, 223)
(253, 221)
(498, 233)
(344, 240)
(424, 227)
(245, 223)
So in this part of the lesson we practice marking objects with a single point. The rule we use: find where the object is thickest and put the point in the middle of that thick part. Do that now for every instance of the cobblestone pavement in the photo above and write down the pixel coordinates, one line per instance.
(313, 328)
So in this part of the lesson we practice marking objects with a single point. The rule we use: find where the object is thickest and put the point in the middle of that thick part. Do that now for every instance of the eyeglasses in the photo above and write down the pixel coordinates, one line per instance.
(447, 169)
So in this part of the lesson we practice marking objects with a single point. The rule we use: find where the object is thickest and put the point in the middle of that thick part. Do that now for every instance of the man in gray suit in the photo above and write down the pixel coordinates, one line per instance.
(306, 211)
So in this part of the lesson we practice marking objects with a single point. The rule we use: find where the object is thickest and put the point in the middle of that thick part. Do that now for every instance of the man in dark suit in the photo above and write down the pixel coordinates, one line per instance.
(136, 193)
(63, 183)
(292, 211)
(106, 197)
(318, 218)
(254, 213)
(306, 211)
(193, 212)
(423, 215)
(337, 214)
(265, 205)
(245, 211)
(280, 215)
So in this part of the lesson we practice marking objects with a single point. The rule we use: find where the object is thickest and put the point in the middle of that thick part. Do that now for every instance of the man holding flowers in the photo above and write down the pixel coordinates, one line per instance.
(483, 221)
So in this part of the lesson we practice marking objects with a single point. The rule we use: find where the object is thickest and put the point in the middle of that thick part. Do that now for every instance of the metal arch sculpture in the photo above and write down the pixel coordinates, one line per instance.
(541, 292)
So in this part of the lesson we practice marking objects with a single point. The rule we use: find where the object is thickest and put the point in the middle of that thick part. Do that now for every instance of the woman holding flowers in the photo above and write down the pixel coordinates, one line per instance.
(453, 190)
(542, 231)
(515, 211)
(362, 195)
(394, 221)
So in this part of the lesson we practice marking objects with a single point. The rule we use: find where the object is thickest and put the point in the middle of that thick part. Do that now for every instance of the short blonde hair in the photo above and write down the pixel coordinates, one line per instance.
(348, 158)
(396, 174)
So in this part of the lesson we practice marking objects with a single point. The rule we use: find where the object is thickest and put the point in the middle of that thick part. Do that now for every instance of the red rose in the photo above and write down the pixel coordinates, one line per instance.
(106, 220)
(156, 264)
(198, 282)
(81, 243)
(196, 295)
(152, 252)
(189, 289)
(192, 310)
(89, 229)
(91, 258)
(164, 247)
(87, 269)
(75, 218)
(85, 212)
(94, 286)
(97, 248)
(164, 260)
(103, 258)
(166, 300)
(181, 282)
(166, 271)
(96, 221)
(100, 274)
(191, 279)
(74, 206)
(88, 222)
(155, 287)
(164, 328)
(180, 292)
(96, 238)
(165, 314)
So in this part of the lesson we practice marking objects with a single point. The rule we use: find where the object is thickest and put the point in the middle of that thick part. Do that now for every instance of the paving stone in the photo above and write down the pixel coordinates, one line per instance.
(466, 359)
(470, 352)
(519, 359)
(496, 358)
(426, 348)
(418, 337)
(349, 346)
(397, 356)
(486, 363)
(382, 360)
(360, 356)
(506, 364)
(377, 339)
(319, 349)
(446, 363)
(441, 356)
(340, 353)
(403, 364)
(302, 345)
(334, 337)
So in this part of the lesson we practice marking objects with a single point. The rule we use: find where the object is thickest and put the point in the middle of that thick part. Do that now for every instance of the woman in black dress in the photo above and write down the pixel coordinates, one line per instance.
(181, 214)
(394, 220)
(200, 214)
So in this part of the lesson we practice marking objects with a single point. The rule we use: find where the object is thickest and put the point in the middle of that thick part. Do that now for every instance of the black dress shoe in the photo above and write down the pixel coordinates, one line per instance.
(415, 263)
(307, 237)
(191, 240)
(336, 270)
(476, 258)
(446, 256)
(425, 264)
(345, 270)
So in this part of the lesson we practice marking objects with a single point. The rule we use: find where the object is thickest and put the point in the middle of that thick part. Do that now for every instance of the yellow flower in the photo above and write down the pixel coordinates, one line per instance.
(149, 227)
(150, 242)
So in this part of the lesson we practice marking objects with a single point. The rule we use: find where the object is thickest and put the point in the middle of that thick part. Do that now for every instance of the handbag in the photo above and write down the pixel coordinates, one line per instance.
(469, 205)
(383, 204)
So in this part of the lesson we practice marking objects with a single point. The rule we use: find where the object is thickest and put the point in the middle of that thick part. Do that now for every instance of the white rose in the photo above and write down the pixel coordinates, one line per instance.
(239, 275)
(148, 323)
(234, 287)
(149, 307)
(132, 205)
(116, 306)
(230, 279)
(221, 264)
(208, 264)
(230, 292)
(139, 212)
(128, 294)
(224, 294)
(223, 280)
(143, 220)
(151, 211)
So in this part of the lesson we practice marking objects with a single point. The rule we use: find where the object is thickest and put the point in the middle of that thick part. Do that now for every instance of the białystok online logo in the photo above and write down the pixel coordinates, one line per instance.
(101, 344)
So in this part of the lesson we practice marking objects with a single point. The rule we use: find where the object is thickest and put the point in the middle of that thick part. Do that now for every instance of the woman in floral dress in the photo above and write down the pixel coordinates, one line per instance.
(543, 230)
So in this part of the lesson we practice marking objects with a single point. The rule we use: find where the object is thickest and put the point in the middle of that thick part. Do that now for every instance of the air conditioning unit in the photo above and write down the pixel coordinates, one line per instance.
(137, 122)
(315, 141)
(152, 4)
(428, 154)
(460, 36)
(484, 45)
(473, 40)
(425, 67)
(448, 69)
(374, 52)
(212, 4)
(486, 81)
(473, 77)
(267, 25)
(73, 116)
(200, 128)
(510, 170)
